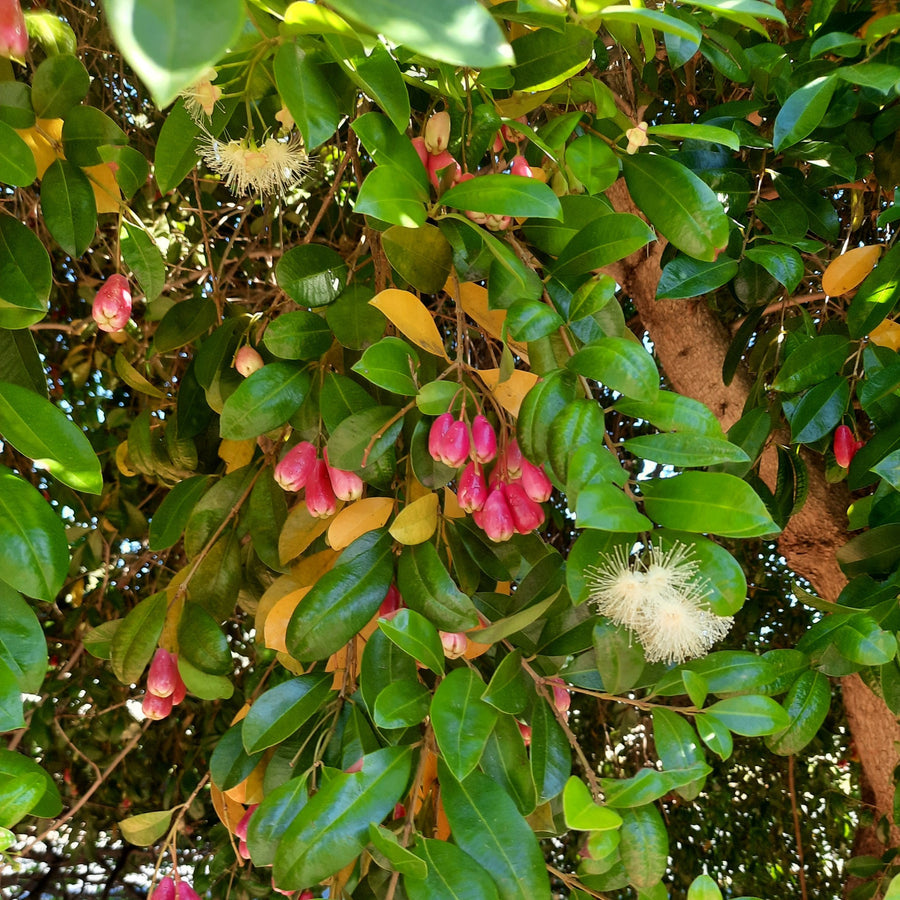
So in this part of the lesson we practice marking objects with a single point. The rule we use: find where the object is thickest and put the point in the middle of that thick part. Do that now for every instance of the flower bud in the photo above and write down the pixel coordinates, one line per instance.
(165, 890)
(519, 166)
(13, 36)
(479, 218)
(436, 165)
(422, 151)
(295, 467)
(437, 132)
(320, 499)
(163, 675)
(498, 223)
(439, 428)
(512, 459)
(472, 491)
(183, 891)
(346, 485)
(240, 830)
(112, 305)
(155, 707)
(527, 515)
(484, 440)
(562, 699)
(525, 731)
(247, 360)
(844, 446)
(497, 520)
(535, 481)
(455, 445)
(399, 812)
(392, 603)
(455, 643)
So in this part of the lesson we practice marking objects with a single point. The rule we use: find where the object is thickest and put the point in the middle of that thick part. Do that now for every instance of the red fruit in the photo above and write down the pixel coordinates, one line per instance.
(527, 515)
(247, 360)
(513, 459)
(165, 890)
(496, 517)
(439, 428)
(295, 467)
(472, 491)
(112, 305)
(163, 676)
(346, 485)
(392, 603)
(484, 440)
(845, 446)
(455, 643)
(399, 811)
(519, 166)
(155, 707)
(535, 481)
(455, 445)
(437, 133)
(13, 36)
(511, 134)
(183, 891)
(419, 146)
(437, 164)
(240, 831)
(320, 499)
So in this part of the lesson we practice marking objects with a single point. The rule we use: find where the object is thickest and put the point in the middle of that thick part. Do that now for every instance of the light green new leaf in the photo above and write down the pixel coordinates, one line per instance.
(583, 813)
(146, 828)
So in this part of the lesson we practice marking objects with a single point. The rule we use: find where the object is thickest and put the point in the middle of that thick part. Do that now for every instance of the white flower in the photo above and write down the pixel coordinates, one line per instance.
(202, 96)
(663, 601)
(269, 168)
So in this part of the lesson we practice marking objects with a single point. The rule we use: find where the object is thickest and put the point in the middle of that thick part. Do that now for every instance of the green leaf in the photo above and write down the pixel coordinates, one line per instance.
(695, 132)
(546, 57)
(416, 636)
(272, 817)
(620, 364)
(715, 735)
(342, 600)
(332, 829)
(402, 860)
(169, 43)
(142, 256)
(487, 826)
(25, 275)
(23, 784)
(784, 264)
(711, 502)
(874, 552)
(147, 828)
(505, 760)
(605, 507)
(203, 685)
(644, 846)
(603, 241)
(752, 715)
(130, 166)
(15, 104)
(67, 202)
(877, 295)
(678, 204)
(265, 400)
(861, 641)
(820, 410)
(281, 710)
(543, 403)
(813, 362)
(807, 705)
(462, 721)
(530, 320)
(649, 18)
(85, 130)
(508, 688)
(704, 888)
(183, 323)
(171, 517)
(504, 195)
(34, 552)
(551, 756)
(200, 639)
(20, 362)
(17, 165)
(378, 76)
(452, 875)
(674, 412)
(60, 82)
(306, 92)
(230, 764)
(460, 32)
(36, 428)
(592, 162)
(383, 663)
(685, 450)
(311, 274)
(11, 711)
(583, 813)
(298, 335)
(23, 646)
(175, 153)
(134, 642)
(393, 195)
(402, 705)
(619, 657)
(390, 364)
(688, 277)
(802, 112)
(364, 437)
(421, 256)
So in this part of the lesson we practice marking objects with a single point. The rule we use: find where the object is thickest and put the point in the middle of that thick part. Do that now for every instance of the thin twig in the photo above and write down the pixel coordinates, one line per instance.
(797, 835)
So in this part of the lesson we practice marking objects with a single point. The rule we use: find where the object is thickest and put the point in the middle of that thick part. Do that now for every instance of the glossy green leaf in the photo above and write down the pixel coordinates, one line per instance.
(377, 75)
(36, 428)
(620, 364)
(592, 162)
(452, 875)
(421, 256)
(644, 846)
(146, 828)
(144, 259)
(416, 636)
(704, 888)
(605, 507)
(390, 364)
(85, 130)
(874, 552)
(428, 588)
(551, 757)
(364, 437)
(134, 642)
(306, 92)
(229, 763)
(22, 785)
(752, 714)
(265, 400)
(603, 241)
(710, 502)
(529, 320)
(860, 640)
(674, 412)
(695, 132)
(17, 166)
(689, 277)
(183, 323)
(402, 705)
(202, 642)
(807, 705)
(543, 403)
(649, 785)
(402, 860)
(546, 57)
(577, 425)
(393, 195)
(60, 82)
(23, 646)
(169, 521)
(343, 599)
(619, 657)
(502, 842)
(508, 688)
(311, 274)
(784, 264)
(278, 809)
(802, 112)
(677, 744)
(280, 711)
(650, 18)
(176, 152)
(20, 362)
(714, 733)
(169, 43)
(820, 410)
(505, 760)
(504, 195)
(462, 721)
(583, 813)
(203, 685)
(678, 204)
(298, 335)
(684, 450)
(332, 829)
(11, 711)
(67, 202)
(25, 275)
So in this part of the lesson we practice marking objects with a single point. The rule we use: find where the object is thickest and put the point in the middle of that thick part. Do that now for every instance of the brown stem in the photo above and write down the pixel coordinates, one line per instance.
(797, 835)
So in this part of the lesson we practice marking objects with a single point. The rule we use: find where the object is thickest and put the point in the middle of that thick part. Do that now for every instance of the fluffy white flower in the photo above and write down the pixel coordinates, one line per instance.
(677, 627)
(202, 96)
(617, 589)
(268, 168)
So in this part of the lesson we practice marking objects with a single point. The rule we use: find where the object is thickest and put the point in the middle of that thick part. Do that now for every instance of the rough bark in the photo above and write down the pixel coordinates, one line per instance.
(691, 343)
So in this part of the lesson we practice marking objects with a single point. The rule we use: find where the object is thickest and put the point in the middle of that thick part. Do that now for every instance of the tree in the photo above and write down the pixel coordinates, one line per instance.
(583, 303)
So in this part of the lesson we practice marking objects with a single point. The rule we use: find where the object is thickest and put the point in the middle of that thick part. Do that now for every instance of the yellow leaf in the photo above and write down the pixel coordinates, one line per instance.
(107, 195)
(416, 522)
(123, 462)
(229, 811)
(359, 517)
(299, 531)
(452, 509)
(474, 300)
(849, 269)
(411, 318)
(279, 618)
(44, 139)
(886, 334)
(236, 454)
(510, 393)
(250, 790)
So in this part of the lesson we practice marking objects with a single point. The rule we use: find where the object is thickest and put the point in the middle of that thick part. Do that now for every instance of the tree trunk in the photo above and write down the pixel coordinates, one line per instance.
(691, 344)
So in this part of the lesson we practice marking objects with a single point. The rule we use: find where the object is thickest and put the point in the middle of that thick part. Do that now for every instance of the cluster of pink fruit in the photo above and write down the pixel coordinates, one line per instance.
(165, 688)
(438, 161)
(509, 500)
(170, 889)
(112, 305)
(301, 468)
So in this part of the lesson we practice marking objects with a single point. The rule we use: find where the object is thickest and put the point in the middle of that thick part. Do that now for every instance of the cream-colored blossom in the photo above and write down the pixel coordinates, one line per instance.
(637, 138)
(272, 167)
(202, 96)
(617, 589)
(677, 627)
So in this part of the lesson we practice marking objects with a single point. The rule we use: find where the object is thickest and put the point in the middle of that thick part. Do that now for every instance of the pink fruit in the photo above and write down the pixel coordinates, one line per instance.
(525, 731)
(240, 830)
(320, 499)
(295, 467)
(455, 643)
(165, 890)
(484, 440)
(562, 699)
(419, 146)
(112, 305)
(437, 164)
(436, 434)
(512, 459)
(346, 485)
(844, 446)
(496, 517)
(13, 36)
(527, 515)
(392, 603)
(163, 676)
(180, 691)
(519, 166)
(247, 360)
(155, 707)
(473, 491)
(535, 481)
(183, 891)
(437, 133)
(455, 445)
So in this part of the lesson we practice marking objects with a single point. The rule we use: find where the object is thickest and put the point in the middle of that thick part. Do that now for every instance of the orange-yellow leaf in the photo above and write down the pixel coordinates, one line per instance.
(411, 318)
(359, 517)
(299, 531)
(452, 509)
(886, 334)
(236, 454)
(280, 616)
(849, 269)
(510, 393)
(40, 139)
(107, 194)
(250, 790)
(474, 300)
(229, 811)
(416, 522)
